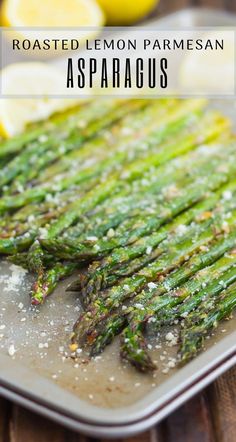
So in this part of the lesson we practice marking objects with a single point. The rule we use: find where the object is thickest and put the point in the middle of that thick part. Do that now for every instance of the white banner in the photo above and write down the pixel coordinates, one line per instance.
(125, 61)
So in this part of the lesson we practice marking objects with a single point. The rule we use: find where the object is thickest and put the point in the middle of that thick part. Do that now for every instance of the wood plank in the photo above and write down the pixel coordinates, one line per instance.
(5, 412)
(29, 427)
(230, 5)
(221, 396)
(191, 422)
(219, 4)
(165, 7)
(143, 437)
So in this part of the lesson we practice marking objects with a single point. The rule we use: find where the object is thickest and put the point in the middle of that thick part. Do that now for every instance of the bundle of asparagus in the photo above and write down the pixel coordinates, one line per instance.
(136, 197)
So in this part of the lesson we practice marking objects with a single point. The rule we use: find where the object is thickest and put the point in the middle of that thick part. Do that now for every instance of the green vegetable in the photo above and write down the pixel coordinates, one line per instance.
(138, 198)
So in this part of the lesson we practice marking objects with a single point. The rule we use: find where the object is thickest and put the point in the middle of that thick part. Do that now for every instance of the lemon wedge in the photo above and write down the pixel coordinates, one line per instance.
(39, 80)
(51, 13)
(123, 12)
(210, 72)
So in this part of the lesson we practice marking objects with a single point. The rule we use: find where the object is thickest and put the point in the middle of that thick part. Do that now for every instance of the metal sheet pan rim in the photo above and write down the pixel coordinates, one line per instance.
(79, 409)
(124, 430)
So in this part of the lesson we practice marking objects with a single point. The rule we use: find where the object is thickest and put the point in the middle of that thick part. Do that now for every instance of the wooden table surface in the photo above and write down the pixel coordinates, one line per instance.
(208, 417)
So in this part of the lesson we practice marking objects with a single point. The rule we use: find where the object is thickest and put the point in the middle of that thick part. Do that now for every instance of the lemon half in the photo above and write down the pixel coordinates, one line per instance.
(51, 13)
(39, 80)
(209, 72)
(123, 12)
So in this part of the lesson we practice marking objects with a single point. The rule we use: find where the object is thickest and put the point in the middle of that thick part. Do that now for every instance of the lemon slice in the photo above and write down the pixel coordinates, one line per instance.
(38, 80)
(51, 13)
(123, 12)
(210, 72)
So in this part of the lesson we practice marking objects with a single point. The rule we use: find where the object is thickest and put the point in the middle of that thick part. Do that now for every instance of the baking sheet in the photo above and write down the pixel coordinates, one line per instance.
(40, 337)
(85, 393)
